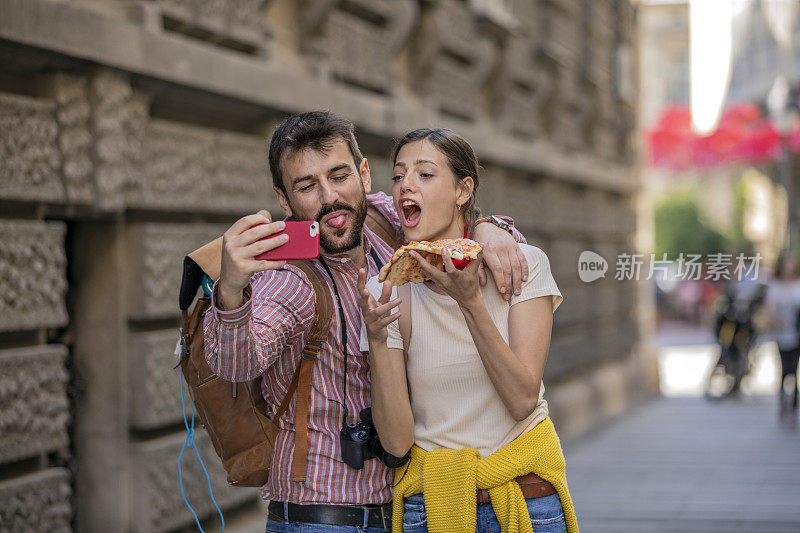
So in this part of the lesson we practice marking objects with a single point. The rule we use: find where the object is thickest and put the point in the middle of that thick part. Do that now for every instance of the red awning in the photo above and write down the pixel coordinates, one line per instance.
(742, 135)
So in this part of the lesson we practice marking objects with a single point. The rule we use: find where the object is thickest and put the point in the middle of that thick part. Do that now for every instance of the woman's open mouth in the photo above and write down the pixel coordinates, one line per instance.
(411, 213)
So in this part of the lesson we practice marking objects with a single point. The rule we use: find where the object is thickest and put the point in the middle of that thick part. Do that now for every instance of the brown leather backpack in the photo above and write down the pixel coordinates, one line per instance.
(234, 414)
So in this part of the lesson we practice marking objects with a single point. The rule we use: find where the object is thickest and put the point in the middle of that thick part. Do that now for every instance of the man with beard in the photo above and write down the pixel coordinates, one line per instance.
(261, 312)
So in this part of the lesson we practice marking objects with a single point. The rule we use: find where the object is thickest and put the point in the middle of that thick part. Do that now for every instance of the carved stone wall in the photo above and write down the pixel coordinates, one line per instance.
(33, 275)
(189, 168)
(452, 59)
(156, 260)
(132, 132)
(28, 151)
(119, 117)
(154, 380)
(569, 210)
(501, 191)
(240, 180)
(236, 24)
(158, 504)
(34, 411)
(358, 38)
(522, 85)
(75, 141)
(93, 142)
(564, 45)
(36, 502)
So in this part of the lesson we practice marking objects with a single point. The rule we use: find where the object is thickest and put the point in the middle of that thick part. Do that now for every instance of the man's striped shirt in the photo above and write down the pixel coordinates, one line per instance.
(266, 335)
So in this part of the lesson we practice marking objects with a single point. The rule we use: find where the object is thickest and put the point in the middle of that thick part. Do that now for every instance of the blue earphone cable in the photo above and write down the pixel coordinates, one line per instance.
(187, 444)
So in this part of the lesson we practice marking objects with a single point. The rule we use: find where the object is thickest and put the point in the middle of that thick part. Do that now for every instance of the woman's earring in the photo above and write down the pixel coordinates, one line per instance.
(459, 206)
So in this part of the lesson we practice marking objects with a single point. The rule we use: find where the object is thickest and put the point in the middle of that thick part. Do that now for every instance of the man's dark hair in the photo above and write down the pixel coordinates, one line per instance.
(317, 130)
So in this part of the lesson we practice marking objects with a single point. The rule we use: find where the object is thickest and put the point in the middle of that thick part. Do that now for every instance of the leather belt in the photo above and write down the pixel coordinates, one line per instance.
(339, 515)
(532, 487)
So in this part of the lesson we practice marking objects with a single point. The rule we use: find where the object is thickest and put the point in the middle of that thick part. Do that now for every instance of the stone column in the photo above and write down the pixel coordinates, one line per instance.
(102, 483)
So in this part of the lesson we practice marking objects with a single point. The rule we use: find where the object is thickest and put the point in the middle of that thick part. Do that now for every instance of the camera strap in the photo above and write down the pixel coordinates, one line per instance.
(343, 322)
(379, 265)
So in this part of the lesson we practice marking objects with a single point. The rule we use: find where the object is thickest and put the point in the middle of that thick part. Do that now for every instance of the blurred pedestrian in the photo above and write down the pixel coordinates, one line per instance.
(783, 308)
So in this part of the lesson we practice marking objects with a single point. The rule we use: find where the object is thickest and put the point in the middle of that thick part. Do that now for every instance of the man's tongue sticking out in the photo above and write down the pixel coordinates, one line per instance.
(336, 220)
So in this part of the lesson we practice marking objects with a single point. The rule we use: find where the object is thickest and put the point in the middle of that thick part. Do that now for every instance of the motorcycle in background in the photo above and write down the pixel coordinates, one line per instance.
(736, 335)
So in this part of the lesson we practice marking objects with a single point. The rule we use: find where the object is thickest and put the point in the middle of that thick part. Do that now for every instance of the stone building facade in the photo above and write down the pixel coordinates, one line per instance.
(133, 131)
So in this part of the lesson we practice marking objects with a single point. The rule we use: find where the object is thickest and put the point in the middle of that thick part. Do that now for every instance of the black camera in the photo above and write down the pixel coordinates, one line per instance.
(360, 442)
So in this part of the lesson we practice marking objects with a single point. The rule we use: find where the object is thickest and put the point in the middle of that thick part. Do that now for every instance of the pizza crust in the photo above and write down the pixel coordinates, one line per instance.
(403, 268)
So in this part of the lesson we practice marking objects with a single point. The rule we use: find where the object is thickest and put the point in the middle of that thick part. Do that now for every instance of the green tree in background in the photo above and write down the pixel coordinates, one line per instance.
(679, 226)
(737, 240)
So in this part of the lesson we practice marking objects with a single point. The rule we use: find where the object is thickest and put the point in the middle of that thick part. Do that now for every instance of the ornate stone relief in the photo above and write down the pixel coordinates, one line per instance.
(452, 59)
(29, 157)
(34, 411)
(36, 502)
(33, 275)
(358, 37)
(156, 260)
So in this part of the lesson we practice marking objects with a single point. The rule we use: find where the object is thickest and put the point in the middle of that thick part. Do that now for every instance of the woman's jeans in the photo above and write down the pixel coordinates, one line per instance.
(279, 526)
(546, 514)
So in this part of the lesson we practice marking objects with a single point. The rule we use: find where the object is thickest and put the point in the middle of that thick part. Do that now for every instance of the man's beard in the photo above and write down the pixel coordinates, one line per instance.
(353, 238)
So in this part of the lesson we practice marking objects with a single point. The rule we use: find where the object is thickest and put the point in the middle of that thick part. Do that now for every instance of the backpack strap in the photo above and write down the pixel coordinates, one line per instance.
(301, 382)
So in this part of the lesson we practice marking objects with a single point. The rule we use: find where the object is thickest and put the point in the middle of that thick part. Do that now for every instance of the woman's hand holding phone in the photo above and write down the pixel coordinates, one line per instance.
(240, 246)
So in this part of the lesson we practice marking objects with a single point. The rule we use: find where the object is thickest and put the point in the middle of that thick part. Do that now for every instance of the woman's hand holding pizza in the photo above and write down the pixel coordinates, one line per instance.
(460, 285)
(377, 314)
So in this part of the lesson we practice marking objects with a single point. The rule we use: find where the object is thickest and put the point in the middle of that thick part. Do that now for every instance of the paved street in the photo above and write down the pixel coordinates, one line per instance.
(683, 465)
(687, 465)
(678, 463)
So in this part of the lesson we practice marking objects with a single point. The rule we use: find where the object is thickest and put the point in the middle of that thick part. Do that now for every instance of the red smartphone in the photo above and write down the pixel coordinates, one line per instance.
(303, 242)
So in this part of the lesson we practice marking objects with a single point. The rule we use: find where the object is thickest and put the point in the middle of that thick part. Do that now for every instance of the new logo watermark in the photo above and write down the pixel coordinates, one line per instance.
(591, 266)
(717, 266)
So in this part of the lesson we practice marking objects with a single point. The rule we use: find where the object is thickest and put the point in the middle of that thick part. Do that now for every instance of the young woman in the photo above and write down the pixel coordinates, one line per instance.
(457, 370)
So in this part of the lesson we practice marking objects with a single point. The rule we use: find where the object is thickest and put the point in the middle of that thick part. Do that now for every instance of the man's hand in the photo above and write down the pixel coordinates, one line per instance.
(377, 314)
(503, 257)
(240, 245)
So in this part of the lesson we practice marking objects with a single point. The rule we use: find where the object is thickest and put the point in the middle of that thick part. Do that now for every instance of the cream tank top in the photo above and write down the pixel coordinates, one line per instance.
(453, 400)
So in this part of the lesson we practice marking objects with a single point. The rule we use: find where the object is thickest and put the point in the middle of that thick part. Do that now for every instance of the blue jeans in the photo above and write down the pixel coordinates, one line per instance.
(274, 526)
(546, 514)
(282, 526)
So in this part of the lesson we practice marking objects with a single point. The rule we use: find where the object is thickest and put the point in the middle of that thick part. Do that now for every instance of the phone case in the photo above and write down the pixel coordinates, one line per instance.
(303, 242)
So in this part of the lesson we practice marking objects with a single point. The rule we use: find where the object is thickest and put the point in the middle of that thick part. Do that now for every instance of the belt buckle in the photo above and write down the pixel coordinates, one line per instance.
(386, 516)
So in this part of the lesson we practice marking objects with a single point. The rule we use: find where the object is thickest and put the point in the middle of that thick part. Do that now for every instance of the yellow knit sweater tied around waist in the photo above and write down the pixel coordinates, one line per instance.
(449, 479)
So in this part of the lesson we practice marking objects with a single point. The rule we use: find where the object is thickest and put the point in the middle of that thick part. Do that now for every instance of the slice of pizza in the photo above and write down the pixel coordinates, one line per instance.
(403, 268)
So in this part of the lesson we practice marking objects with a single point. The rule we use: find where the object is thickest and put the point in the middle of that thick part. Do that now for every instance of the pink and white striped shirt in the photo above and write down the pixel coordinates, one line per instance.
(266, 335)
